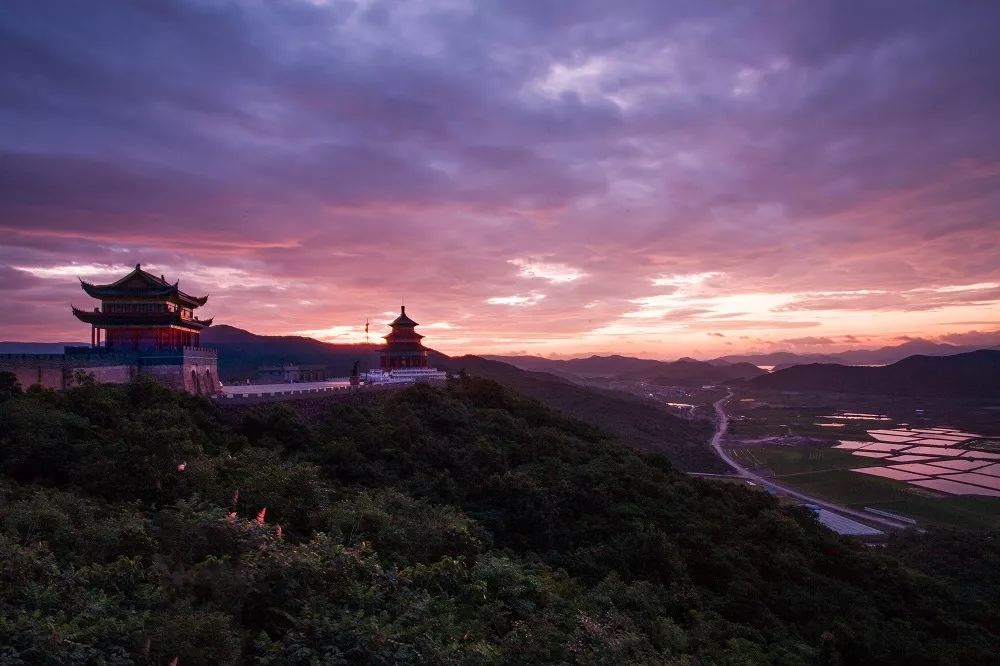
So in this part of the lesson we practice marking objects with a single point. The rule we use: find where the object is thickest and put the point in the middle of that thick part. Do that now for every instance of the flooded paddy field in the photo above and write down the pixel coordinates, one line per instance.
(935, 461)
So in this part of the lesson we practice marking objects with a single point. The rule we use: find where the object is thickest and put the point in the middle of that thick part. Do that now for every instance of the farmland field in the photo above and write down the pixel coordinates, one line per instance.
(790, 438)
(825, 473)
(790, 460)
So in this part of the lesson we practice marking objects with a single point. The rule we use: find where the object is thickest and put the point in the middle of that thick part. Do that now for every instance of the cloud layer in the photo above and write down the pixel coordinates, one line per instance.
(648, 177)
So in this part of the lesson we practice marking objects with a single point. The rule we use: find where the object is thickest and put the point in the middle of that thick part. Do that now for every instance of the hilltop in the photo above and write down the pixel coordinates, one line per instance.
(637, 422)
(641, 423)
(465, 524)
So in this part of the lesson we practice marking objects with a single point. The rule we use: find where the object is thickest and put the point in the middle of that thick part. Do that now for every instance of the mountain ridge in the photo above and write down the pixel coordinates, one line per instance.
(881, 356)
(969, 375)
(686, 371)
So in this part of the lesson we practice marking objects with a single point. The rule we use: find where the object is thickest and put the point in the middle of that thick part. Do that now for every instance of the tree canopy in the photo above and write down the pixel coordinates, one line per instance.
(457, 525)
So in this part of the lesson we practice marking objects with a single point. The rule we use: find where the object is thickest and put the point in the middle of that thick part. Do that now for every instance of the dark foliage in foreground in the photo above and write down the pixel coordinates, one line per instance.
(458, 525)
(643, 424)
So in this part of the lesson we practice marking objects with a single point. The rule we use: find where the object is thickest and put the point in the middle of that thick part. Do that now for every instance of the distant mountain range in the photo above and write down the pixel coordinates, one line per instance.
(971, 375)
(881, 356)
(683, 372)
(929, 373)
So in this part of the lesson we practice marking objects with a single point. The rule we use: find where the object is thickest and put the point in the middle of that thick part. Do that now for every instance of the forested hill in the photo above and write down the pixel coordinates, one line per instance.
(241, 352)
(463, 525)
(634, 421)
(972, 375)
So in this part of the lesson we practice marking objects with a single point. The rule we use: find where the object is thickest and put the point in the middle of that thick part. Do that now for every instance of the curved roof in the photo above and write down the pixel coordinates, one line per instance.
(403, 320)
(139, 319)
(142, 285)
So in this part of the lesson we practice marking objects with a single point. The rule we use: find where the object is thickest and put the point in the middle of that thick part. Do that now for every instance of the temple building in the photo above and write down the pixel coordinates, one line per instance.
(142, 312)
(144, 325)
(403, 346)
(403, 359)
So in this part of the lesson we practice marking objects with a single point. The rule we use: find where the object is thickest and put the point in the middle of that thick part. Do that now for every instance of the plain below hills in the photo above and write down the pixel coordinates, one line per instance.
(970, 375)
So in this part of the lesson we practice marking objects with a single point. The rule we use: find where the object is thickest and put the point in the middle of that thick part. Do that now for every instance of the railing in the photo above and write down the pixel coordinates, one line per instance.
(273, 394)
(102, 349)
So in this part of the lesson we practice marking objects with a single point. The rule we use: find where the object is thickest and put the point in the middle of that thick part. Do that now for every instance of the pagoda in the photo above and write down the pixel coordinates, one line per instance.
(403, 346)
(144, 325)
(142, 312)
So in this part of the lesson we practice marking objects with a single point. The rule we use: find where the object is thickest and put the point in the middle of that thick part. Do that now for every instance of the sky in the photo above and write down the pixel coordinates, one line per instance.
(649, 178)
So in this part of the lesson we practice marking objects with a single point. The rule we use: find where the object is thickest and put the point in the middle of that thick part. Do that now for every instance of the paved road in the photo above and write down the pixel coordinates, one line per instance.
(723, 424)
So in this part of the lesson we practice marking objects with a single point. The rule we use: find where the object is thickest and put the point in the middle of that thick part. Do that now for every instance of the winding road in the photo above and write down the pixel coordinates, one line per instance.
(723, 424)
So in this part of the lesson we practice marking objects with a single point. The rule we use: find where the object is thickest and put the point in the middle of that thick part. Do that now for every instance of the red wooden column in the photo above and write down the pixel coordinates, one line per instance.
(93, 336)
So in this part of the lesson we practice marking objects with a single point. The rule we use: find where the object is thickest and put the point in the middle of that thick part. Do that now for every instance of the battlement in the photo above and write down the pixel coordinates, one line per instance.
(26, 358)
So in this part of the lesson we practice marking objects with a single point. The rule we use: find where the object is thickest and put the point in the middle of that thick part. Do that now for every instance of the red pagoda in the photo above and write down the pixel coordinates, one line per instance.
(142, 312)
(403, 346)
(145, 325)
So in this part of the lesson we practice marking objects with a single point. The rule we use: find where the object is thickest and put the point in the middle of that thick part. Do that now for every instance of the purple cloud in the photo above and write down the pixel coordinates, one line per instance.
(323, 160)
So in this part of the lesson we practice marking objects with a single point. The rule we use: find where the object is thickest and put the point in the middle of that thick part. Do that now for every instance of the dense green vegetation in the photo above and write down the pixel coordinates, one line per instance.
(459, 525)
(635, 421)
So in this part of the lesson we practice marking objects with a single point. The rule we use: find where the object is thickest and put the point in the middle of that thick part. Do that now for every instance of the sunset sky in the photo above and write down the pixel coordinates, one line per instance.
(649, 178)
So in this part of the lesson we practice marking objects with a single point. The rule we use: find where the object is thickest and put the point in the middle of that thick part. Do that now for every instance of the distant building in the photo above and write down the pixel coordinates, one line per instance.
(144, 325)
(291, 373)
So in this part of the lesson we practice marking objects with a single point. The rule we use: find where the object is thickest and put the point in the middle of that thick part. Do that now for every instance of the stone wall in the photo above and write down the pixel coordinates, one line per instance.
(189, 369)
(104, 366)
(102, 374)
(47, 370)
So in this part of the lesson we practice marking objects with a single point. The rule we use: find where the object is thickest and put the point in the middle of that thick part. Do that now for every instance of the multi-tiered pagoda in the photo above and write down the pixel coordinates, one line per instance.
(403, 346)
(142, 312)
(404, 357)
(145, 325)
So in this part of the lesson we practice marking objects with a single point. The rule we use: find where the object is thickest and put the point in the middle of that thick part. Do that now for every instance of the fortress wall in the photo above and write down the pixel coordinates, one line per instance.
(192, 370)
(201, 378)
(30, 369)
(103, 374)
